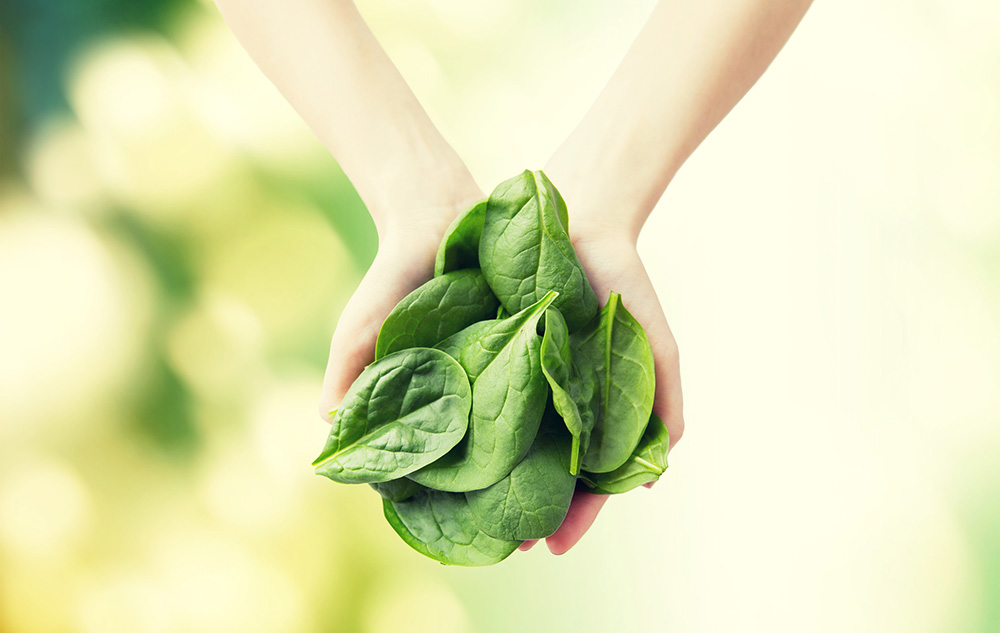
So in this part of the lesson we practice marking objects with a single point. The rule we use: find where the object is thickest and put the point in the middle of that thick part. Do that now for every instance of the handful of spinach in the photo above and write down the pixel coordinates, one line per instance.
(498, 387)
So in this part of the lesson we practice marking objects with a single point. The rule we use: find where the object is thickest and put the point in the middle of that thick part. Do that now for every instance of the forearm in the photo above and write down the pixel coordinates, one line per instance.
(691, 63)
(325, 61)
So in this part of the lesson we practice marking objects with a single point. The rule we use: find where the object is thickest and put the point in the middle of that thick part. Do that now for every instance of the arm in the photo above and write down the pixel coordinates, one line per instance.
(691, 63)
(328, 65)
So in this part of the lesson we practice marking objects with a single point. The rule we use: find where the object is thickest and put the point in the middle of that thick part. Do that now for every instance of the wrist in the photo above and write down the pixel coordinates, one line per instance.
(599, 208)
(612, 176)
(420, 199)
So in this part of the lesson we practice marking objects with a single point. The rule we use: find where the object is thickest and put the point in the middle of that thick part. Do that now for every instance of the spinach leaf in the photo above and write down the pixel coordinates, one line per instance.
(466, 340)
(436, 310)
(459, 247)
(478, 345)
(556, 366)
(532, 501)
(397, 489)
(613, 353)
(403, 412)
(525, 250)
(508, 397)
(647, 463)
(439, 525)
(452, 424)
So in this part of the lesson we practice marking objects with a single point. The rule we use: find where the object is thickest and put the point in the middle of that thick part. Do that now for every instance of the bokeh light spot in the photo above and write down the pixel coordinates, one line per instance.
(44, 509)
(70, 322)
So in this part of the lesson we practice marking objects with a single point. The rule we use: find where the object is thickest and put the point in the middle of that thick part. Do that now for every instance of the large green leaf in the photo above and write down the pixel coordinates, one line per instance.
(468, 342)
(508, 397)
(397, 489)
(532, 501)
(525, 250)
(436, 310)
(460, 246)
(403, 412)
(613, 353)
(439, 525)
(647, 462)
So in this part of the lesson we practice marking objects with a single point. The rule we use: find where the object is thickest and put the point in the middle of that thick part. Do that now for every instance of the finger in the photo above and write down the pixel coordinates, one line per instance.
(630, 279)
(525, 546)
(668, 400)
(582, 512)
(352, 348)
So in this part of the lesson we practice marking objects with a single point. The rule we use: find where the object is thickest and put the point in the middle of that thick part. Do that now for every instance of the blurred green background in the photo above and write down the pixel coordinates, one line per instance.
(175, 248)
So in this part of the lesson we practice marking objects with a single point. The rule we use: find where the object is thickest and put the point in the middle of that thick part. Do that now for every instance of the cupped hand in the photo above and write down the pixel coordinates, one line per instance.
(404, 261)
(612, 263)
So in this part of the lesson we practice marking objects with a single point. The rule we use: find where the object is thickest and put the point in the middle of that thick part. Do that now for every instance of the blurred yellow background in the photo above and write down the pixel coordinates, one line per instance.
(175, 247)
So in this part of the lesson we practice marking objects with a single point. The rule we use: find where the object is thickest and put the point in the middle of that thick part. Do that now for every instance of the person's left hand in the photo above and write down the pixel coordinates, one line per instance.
(612, 263)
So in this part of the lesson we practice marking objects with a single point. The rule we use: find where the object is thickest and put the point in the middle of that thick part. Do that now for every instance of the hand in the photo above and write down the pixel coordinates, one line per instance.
(612, 263)
(404, 261)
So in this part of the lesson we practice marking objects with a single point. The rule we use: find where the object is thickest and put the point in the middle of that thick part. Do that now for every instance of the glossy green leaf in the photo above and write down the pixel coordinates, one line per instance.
(466, 341)
(613, 353)
(556, 366)
(397, 489)
(452, 424)
(508, 397)
(647, 462)
(532, 501)
(460, 246)
(403, 412)
(478, 345)
(525, 250)
(436, 310)
(439, 525)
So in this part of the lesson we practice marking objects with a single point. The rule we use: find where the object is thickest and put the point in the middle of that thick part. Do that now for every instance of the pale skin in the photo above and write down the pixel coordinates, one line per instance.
(687, 68)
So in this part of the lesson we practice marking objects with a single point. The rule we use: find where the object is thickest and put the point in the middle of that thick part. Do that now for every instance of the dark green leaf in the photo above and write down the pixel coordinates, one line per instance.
(436, 310)
(532, 501)
(647, 462)
(439, 525)
(508, 397)
(525, 250)
(397, 489)
(402, 413)
(468, 340)
(556, 365)
(460, 246)
(613, 353)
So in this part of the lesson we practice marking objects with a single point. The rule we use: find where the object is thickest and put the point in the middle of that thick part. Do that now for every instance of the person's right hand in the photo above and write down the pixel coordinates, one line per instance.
(404, 261)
